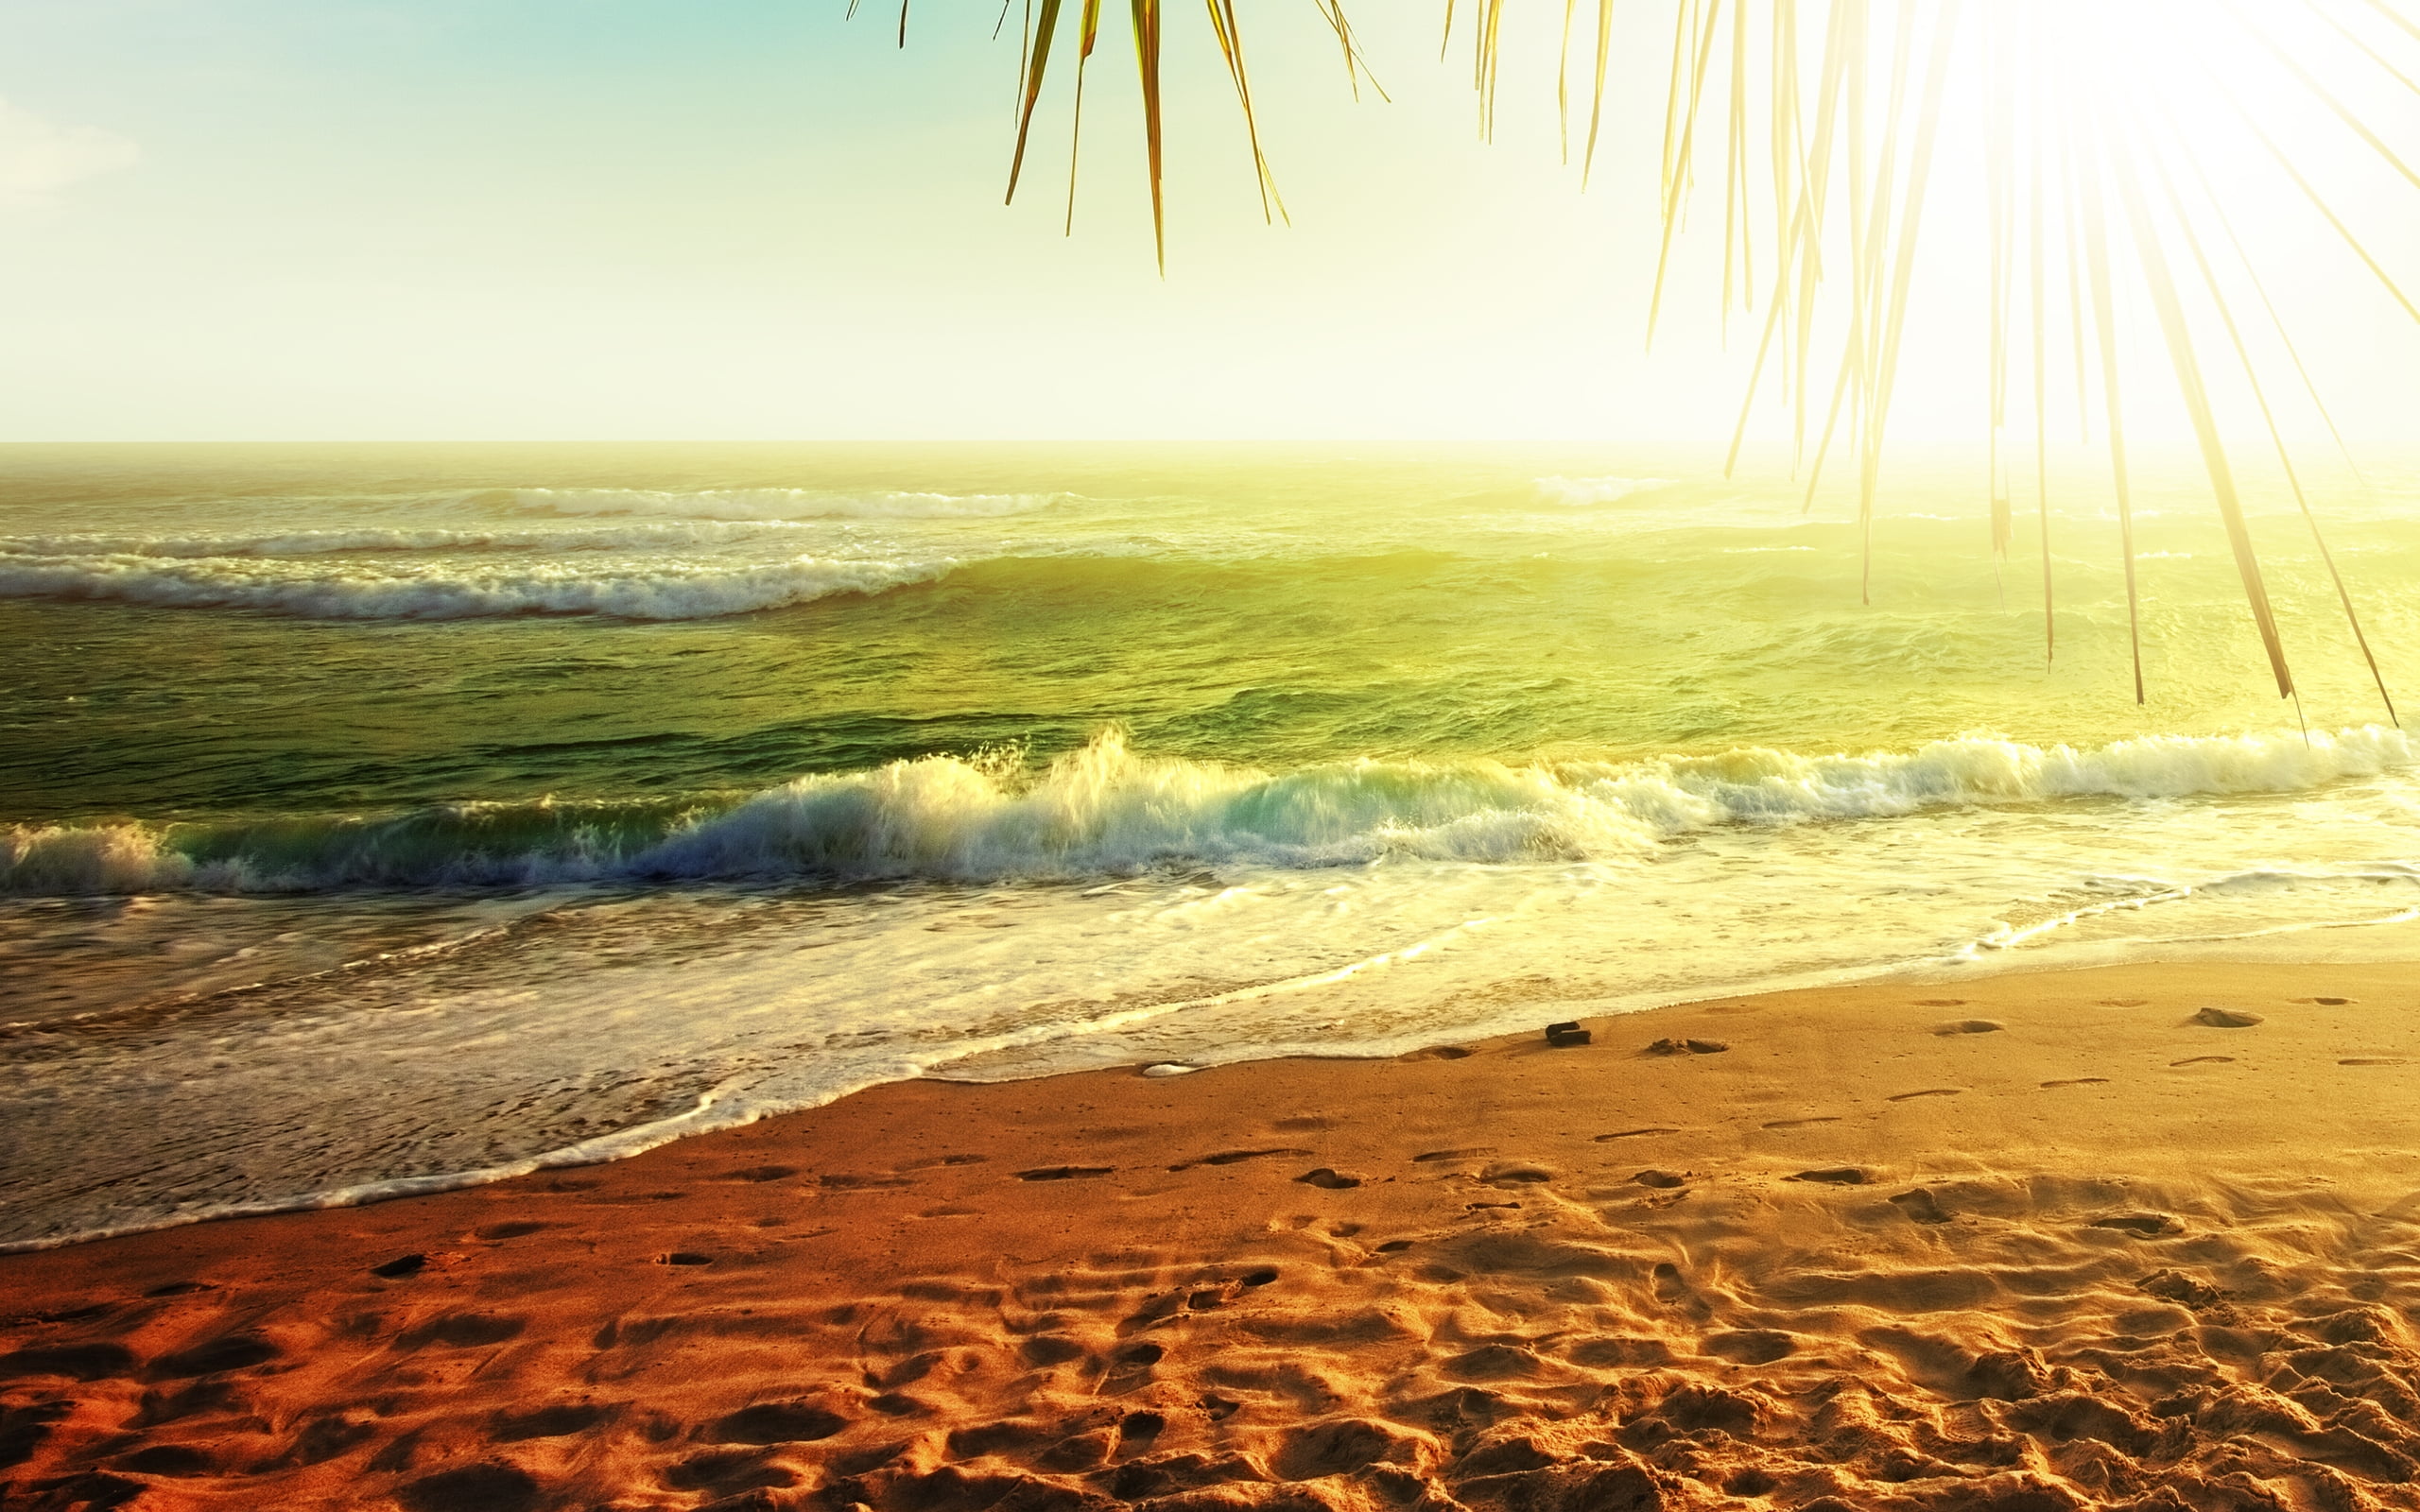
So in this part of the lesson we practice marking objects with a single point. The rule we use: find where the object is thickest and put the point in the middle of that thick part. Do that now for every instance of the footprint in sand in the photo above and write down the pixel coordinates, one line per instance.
(2372, 1060)
(2078, 1081)
(1661, 1181)
(1235, 1158)
(2141, 1225)
(1921, 1206)
(1516, 1173)
(1941, 1002)
(2203, 1060)
(1064, 1173)
(776, 1422)
(1929, 1091)
(761, 1173)
(2125, 1003)
(1475, 1152)
(2326, 1003)
(1835, 1176)
(1329, 1179)
(463, 1331)
(1801, 1122)
(1044, 1350)
(1132, 1368)
(931, 1160)
(176, 1461)
(1442, 1053)
(78, 1362)
(2184, 1291)
(1136, 1431)
(544, 1422)
(1635, 1134)
(1752, 1346)
(235, 1351)
(503, 1487)
(1686, 1047)
(2218, 1018)
(1394, 1246)
(1668, 1283)
(498, 1232)
(1969, 1027)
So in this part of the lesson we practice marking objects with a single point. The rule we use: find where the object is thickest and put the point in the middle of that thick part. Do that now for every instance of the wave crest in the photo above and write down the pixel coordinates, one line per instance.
(1581, 493)
(676, 590)
(779, 503)
(401, 539)
(1106, 811)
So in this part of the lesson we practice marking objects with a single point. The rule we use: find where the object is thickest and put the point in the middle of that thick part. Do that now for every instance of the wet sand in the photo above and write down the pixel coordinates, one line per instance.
(2033, 1243)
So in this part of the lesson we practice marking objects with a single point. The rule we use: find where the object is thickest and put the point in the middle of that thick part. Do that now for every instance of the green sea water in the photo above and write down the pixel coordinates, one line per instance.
(373, 816)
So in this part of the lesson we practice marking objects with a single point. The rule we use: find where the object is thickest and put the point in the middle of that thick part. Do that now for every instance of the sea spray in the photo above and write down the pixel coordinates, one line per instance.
(654, 590)
(779, 503)
(1106, 810)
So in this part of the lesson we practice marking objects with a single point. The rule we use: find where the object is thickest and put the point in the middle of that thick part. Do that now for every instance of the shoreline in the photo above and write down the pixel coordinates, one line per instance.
(1948, 973)
(1846, 1256)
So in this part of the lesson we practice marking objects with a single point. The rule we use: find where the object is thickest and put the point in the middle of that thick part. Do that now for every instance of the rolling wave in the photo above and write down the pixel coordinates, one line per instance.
(645, 590)
(1581, 493)
(1106, 811)
(779, 503)
(401, 539)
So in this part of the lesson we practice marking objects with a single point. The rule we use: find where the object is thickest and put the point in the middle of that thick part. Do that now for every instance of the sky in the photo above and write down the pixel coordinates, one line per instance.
(665, 219)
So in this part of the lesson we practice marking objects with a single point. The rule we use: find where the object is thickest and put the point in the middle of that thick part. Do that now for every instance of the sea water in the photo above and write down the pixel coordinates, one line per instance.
(378, 819)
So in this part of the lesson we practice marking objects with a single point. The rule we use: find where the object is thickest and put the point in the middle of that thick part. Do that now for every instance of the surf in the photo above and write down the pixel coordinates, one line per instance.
(1106, 810)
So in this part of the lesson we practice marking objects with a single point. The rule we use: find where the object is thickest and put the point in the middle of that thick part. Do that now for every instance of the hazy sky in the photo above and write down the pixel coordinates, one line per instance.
(327, 220)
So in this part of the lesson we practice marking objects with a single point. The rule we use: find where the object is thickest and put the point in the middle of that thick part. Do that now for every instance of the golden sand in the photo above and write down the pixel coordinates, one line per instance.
(2029, 1242)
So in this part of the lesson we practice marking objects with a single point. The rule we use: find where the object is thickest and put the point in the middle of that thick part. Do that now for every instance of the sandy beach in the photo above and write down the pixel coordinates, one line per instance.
(2136, 1237)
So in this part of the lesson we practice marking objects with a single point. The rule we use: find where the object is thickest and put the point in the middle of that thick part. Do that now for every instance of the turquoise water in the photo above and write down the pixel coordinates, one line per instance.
(380, 816)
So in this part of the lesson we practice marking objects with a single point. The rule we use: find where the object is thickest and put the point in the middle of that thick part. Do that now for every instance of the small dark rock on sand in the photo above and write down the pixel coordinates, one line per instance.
(2216, 1017)
(1688, 1047)
(1563, 1034)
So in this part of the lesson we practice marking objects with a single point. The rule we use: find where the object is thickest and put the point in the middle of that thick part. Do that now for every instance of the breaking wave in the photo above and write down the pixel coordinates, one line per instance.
(1581, 494)
(373, 539)
(779, 503)
(1105, 810)
(649, 591)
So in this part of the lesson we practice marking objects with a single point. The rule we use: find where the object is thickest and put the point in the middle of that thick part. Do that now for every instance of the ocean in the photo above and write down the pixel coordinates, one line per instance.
(375, 819)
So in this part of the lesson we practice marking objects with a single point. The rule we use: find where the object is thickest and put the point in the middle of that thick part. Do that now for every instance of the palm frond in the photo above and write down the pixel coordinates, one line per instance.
(1851, 146)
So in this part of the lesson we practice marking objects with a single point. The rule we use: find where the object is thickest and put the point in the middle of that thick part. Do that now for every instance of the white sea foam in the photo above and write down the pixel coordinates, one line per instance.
(779, 503)
(1107, 811)
(671, 533)
(1581, 494)
(645, 591)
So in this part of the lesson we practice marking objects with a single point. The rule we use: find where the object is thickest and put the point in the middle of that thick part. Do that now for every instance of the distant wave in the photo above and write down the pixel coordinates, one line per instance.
(372, 538)
(1583, 492)
(650, 590)
(1105, 810)
(779, 503)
